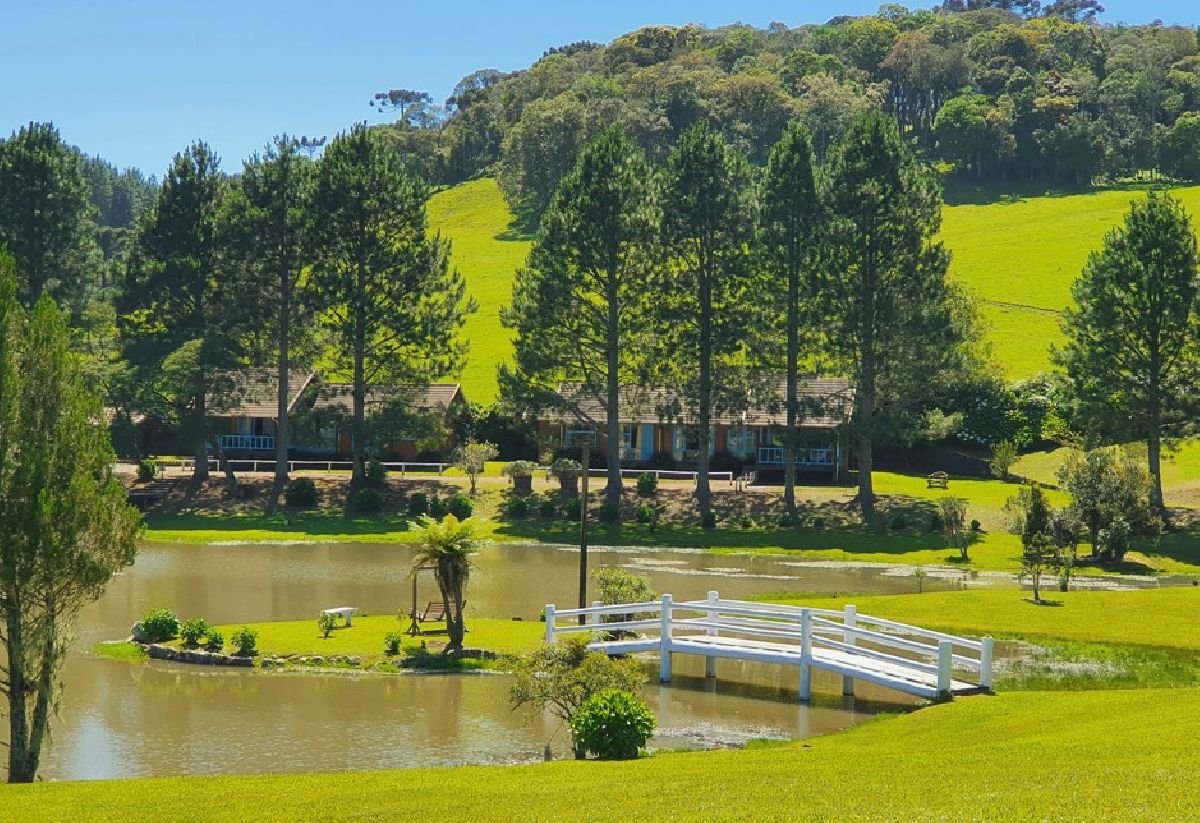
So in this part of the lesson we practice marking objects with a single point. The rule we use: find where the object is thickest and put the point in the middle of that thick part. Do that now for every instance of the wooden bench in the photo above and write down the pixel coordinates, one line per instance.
(346, 612)
(435, 612)
(938, 480)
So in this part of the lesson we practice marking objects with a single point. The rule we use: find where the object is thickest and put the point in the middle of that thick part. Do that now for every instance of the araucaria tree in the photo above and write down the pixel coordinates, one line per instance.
(578, 305)
(270, 227)
(46, 216)
(890, 316)
(386, 288)
(181, 312)
(65, 523)
(707, 226)
(789, 239)
(1133, 336)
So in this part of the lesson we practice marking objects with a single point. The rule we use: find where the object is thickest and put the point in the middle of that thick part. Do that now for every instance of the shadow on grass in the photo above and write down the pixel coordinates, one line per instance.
(1051, 604)
(331, 523)
(959, 190)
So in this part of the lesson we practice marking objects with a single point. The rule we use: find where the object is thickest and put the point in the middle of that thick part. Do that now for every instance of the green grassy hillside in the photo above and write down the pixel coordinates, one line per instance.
(1020, 256)
(476, 220)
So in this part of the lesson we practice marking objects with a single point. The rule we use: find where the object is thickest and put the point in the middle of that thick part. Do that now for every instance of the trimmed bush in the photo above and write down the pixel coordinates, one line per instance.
(376, 475)
(418, 504)
(517, 507)
(214, 641)
(647, 484)
(572, 508)
(391, 643)
(610, 512)
(146, 471)
(159, 625)
(567, 471)
(301, 493)
(519, 468)
(461, 506)
(547, 508)
(244, 640)
(192, 630)
(646, 513)
(366, 501)
(613, 725)
(438, 508)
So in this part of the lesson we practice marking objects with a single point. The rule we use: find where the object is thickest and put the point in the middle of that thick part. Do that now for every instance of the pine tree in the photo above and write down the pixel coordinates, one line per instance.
(386, 288)
(708, 226)
(579, 305)
(791, 218)
(65, 523)
(1133, 336)
(891, 318)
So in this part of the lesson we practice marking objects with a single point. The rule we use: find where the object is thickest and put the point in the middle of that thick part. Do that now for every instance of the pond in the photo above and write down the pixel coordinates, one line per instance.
(122, 720)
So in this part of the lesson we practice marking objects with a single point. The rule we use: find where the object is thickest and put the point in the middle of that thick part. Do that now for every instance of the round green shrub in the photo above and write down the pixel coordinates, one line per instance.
(418, 504)
(192, 630)
(547, 508)
(376, 474)
(647, 484)
(326, 623)
(461, 506)
(646, 513)
(146, 471)
(610, 512)
(708, 520)
(214, 641)
(438, 508)
(159, 625)
(391, 643)
(899, 523)
(517, 507)
(519, 468)
(301, 493)
(366, 501)
(244, 640)
(613, 725)
(572, 508)
(745, 521)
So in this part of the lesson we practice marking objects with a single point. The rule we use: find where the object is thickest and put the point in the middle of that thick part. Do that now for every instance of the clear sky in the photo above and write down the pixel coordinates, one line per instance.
(135, 80)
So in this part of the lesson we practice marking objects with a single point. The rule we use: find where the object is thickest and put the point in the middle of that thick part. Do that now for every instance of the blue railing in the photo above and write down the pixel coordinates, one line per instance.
(773, 456)
(246, 442)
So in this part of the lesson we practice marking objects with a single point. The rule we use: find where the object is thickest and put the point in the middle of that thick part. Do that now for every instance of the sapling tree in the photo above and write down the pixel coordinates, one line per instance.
(1030, 517)
(472, 458)
(954, 524)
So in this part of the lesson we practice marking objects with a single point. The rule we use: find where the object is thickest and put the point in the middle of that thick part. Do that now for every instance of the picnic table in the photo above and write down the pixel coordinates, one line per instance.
(346, 612)
(939, 480)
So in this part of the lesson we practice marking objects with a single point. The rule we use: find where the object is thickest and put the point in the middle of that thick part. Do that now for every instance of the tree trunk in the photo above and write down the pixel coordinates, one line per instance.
(18, 693)
(1154, 445)
(865, 392)
(703, 492)
(793, 356)
(200, 444)
(454, 619)
(359, 392)
(281, 412)
(612, 494)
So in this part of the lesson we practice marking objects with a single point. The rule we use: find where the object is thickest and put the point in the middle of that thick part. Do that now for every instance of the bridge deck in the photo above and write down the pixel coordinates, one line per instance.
(857, 666)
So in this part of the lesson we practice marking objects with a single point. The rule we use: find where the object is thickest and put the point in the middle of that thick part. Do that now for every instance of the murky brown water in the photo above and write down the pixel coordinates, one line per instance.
(122, 720)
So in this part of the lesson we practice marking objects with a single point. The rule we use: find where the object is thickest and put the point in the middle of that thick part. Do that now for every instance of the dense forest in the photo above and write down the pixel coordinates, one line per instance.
(995, 89)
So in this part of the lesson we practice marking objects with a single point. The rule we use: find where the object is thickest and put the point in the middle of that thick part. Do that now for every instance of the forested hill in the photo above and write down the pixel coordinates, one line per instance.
(1049, 95)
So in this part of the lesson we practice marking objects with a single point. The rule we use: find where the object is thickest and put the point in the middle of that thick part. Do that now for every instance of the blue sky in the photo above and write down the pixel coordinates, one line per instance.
(136, 80)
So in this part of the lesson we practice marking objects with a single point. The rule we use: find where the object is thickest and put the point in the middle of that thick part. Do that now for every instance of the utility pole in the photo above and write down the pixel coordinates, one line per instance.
(585, 457)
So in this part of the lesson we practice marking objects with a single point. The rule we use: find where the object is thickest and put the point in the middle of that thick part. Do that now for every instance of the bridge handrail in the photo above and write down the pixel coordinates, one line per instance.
(614, 608)
(625, 625)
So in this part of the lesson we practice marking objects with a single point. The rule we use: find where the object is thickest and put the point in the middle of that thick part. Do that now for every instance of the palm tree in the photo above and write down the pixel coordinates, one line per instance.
(446, 547)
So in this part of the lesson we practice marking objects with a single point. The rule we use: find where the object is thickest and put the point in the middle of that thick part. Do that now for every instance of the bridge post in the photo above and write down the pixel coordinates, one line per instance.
(664, 649)
(594, 618)
(710, 662)
(805, 655)
(550, 623)
(985, 663)
(849, 637)
(945, 668)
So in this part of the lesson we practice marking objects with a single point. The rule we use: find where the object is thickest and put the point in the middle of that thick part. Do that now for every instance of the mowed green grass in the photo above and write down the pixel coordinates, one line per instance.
(1021, 256)
(1180, 471)
(474, 217)
(1115, 755)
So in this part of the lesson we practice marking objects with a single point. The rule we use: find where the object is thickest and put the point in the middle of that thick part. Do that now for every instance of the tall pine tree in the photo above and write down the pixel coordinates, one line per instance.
(578, 306)
(708, 227)
(386, 288)
(891, 318)
(791, 220)
(1133, 336)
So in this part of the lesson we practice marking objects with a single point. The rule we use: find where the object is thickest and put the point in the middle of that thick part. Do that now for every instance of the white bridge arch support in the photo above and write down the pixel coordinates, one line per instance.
(907, 658)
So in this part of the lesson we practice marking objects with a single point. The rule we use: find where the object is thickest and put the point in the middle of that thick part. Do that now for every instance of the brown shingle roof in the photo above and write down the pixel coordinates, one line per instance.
(254, 392)
(825, 402)
(434, 397)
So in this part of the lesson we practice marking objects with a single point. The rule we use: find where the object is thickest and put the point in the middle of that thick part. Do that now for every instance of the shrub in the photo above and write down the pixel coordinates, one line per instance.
(708, 520)
(547, 508)
(1004, 455)
(519, 468)
(376, 474)
(418, 504)
(610, 512)
(391, 643)
(785, 521)
(301, 493)
(616, 585)
(158, 625)
(517, 507)
(567, 472)
(572, 509)
(647, 484)
(244, 640)
(613, 725)
(192, 630)
(438, 508)
(898, 522)
(366, 501)
(646, 513)
(214, 641)
(326, 623)
(745, 521)
(472, 457)
(146, 470)
(976, 526)
(461, 506)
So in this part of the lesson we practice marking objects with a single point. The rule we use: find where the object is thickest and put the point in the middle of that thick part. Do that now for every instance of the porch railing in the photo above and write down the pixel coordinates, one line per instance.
(246, 442)
(773, 455)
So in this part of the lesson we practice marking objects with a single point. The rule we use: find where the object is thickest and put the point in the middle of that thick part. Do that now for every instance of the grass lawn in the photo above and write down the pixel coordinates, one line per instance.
(1168, 617)
(476, 220)
(1180, 471)
(1023, 755)
(1020, 257)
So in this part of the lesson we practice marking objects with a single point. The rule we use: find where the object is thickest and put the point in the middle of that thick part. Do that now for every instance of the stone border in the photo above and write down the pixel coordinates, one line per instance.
(160, 652)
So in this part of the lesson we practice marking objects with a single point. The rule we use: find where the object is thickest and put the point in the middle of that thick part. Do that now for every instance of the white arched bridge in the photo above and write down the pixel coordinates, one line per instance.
(899, 656)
